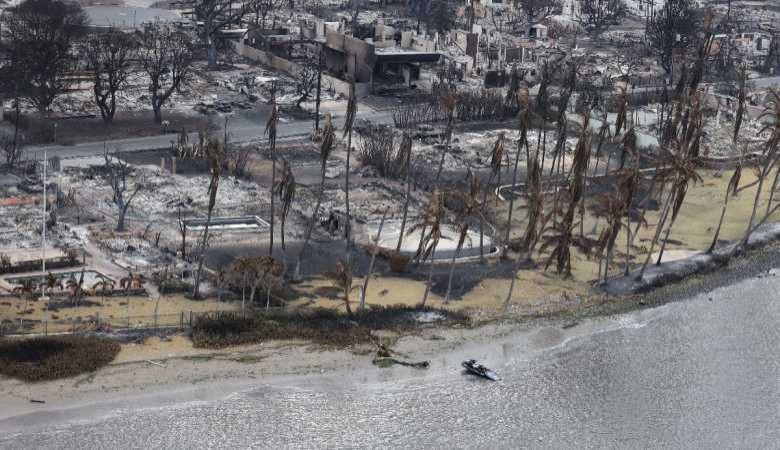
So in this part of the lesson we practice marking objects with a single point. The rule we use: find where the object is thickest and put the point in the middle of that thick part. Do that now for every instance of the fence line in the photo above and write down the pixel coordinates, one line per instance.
(183, 320)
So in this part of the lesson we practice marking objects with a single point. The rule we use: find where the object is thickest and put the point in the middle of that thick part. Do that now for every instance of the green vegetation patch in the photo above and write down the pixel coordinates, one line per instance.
(53, 357)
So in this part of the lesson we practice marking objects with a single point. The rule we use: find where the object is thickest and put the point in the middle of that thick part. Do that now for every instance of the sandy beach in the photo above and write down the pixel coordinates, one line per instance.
(160, 372)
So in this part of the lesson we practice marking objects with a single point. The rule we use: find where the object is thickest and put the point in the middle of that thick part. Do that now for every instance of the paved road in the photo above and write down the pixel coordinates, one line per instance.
(288, 129)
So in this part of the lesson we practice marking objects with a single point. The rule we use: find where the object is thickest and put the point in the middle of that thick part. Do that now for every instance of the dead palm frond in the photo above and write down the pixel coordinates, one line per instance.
(615, 206)
(731, 190)
(561, 237)
(469, 208)
(524, 124)
(430, 234)
(430, 226)
(326, 147)
(449, 102)
(285, 189)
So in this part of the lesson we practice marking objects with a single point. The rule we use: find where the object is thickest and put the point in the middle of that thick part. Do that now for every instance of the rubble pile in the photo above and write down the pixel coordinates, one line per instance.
(118, 244)
(719, 134)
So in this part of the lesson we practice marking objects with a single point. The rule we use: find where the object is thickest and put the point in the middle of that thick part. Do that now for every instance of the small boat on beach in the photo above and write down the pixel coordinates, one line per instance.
(475, 368)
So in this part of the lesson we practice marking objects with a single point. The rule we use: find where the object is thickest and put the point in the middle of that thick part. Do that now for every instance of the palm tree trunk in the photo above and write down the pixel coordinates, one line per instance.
(607, 263)
(430, 276)
(346, 302)
(243, 295)
(374, 251)
(310, 228)
(511, 201)
(628, 249)
(204, 242)
(346, 198)
(421, 244)
(508, 299)
(455, 255)
(645, 203)
(443, 155)
(720, 223)
(772, 191)
(663, 243)
(406, 205)
(273, 204)
(482, 225)
(659, 227)
(252, 292)
(760, 187)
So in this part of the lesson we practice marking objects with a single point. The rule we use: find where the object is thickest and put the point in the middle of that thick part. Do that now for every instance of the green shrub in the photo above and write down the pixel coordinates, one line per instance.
(53, 357)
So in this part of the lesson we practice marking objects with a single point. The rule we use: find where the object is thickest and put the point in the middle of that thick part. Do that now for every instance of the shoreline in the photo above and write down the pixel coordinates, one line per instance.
(203, 375)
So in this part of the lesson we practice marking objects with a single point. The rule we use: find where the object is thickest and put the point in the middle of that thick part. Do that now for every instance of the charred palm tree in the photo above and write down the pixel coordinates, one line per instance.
(570, 84)
(285, 190)
(215, 155)
(524, 124)
(609, 206)
(449, 101)
(686, 162)
(431, 228)
(270, 131)
(628, 149)
(677, 158)
(740, 101)
(271, 271)
(243, 266)
(614, 207)
(103, 286)
(348, 122)
(405, 161)
(604, 135)
(76, 286)
(25, 289)
(342, 278)
(562, 237)
(731, 190)
(621, 119)
(535, 204)
(769, 155)
(326, 147)
(374, 251)
(681, 169)
(469, 208)
(497, 158)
